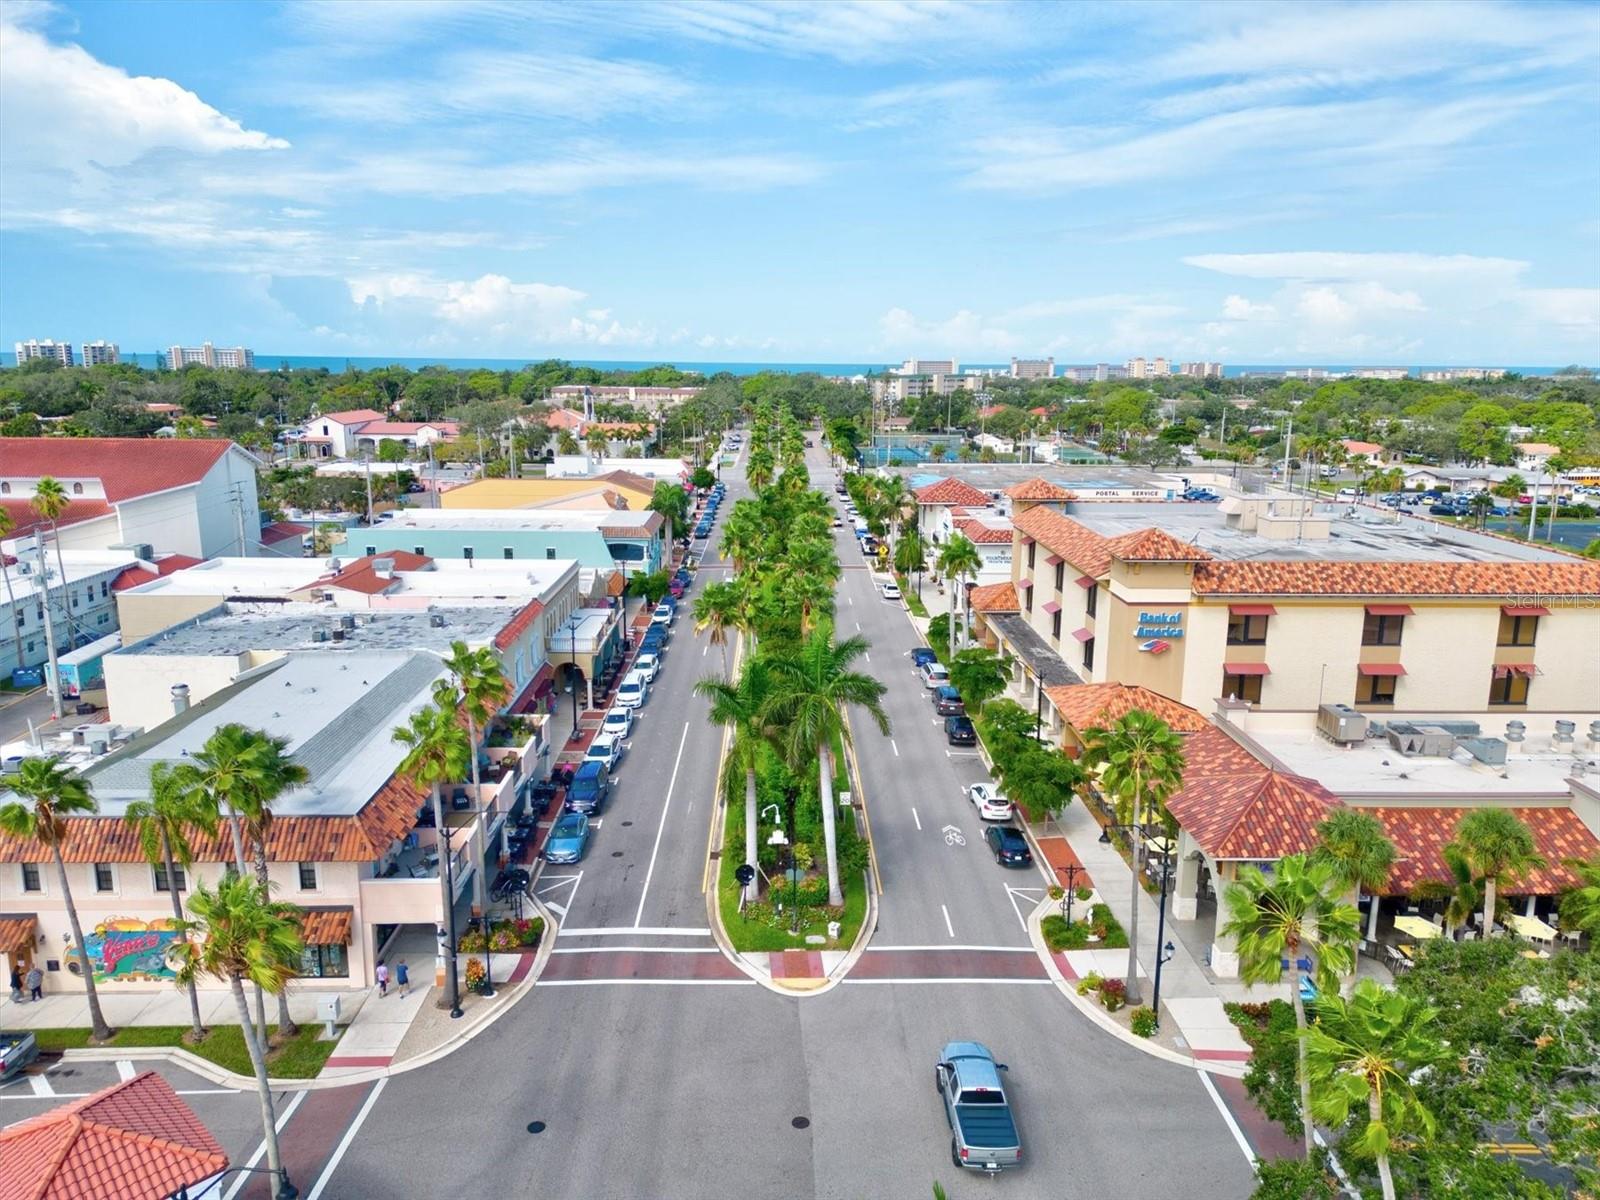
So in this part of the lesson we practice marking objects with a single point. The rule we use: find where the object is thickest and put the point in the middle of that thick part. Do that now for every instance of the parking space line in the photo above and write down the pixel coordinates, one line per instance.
(40, 1085)
(947, 924)
(344, 1142)
(916, 818)
(666, 807)
(125, 1069)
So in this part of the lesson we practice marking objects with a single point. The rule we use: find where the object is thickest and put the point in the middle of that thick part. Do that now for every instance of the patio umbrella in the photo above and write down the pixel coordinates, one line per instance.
(1532, 928)
(1418, 928)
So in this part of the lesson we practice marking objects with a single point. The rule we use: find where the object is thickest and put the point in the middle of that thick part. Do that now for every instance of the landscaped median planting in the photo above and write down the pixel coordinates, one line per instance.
(506, 937)
(301, 1057)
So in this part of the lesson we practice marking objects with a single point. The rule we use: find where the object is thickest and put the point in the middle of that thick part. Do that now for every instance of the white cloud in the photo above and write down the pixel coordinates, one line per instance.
(901, 332)
(494, 310)
(1454, 269)
(1237, 308)
(1572, 312)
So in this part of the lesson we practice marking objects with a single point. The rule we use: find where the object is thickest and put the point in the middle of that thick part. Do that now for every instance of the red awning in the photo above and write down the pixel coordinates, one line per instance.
(1246, 669)
(1388, 610)
(1053, 560)
(1252, 610)
(1026, 540)
(1083, 635)
(1380, 669)
(1500, 672)
(1086, 581)
(1524, 610)
(1053, 607)
(1024, 584)
(543, 680)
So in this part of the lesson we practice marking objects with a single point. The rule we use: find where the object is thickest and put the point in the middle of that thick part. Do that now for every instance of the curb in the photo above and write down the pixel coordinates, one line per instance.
(1098, 1015)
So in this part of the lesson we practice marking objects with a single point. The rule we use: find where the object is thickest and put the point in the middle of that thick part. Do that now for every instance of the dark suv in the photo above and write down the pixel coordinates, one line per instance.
(589, 789)
(947, 702)
(958, 731)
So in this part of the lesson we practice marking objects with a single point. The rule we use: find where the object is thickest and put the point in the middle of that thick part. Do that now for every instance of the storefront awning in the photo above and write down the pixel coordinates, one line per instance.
(1388, 610)
(1524, 610)
(1504, 669)
(17, 931)
(325, 926)
(1246, 669)
(1380, 669)
(540, 685)
(1252, 610)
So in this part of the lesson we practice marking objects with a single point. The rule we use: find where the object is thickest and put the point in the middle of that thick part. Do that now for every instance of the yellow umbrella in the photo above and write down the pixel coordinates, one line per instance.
(1418, 928)
(1531, 928)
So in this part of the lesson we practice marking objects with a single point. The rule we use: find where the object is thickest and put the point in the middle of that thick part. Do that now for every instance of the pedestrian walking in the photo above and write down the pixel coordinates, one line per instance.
(35, 983)
(16, 985)
(402, 977)
(383, 978)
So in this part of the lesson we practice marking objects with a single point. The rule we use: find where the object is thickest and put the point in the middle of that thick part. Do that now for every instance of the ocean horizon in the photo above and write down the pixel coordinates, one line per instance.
(340, 363)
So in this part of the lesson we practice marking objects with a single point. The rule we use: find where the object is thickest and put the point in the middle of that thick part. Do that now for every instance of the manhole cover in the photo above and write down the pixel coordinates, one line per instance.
(801, 1122)
(625, 824)
(535, 1126)
(616, 854)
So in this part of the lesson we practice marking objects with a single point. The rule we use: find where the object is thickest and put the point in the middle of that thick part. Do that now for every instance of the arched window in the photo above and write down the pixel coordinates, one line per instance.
(5, 489)
(77, 489)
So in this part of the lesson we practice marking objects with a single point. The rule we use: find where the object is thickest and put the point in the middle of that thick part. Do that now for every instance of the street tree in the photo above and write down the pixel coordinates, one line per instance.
(1580, 907)
(1499, 849)
(49, 501)
(478, 687)
(979, 675)
(958, 561)
(741, 706)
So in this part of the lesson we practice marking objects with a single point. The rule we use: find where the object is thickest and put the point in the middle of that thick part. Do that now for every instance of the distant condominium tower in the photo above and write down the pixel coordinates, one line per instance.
(231, 357)
(34, 349)
(1033, 368)
(1201, 370)
(1453, 374)
(1154, 368)
(101, 354)
(926, 366)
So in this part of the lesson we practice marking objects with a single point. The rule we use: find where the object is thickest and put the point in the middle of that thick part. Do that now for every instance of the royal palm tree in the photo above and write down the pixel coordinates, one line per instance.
(437, 753)
(238, 932)
(909, 555)
(1366, 1050)
(1500, 850)
(1359, 850)
(163, 823)
(1293, 915)
(815, 682)
(719, 609)
(479, 687)
(1140, 763)
(1580, 907)
(958, 559)
(741, 706)
(54, 794)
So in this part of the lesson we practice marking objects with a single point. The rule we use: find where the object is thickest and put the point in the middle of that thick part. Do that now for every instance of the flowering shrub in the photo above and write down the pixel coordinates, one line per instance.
(1089, 983)
(1142, 1021)
(475, 974)
(1113, 993)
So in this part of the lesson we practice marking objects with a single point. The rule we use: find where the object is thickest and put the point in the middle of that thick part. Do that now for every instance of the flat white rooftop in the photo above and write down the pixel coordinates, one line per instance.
(447, 577)
(244, 626)
(561, 520)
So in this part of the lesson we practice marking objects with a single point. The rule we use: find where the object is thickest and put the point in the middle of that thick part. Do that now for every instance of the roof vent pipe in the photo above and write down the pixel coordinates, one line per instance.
(180, 699)
(1516, 731)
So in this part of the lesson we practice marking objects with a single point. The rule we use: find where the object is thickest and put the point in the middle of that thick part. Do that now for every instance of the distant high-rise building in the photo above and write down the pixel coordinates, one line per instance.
(926, 366)
(1033, 368)
(229, 357)
(100, 354)
(1093, 373)
(34, 349)
(1379, 372)
(1201, 370)
(1454, 374)
(1153, 368)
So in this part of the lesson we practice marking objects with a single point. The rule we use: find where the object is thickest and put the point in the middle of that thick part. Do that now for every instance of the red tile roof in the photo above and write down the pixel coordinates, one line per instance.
(1087, 705)
(518, 625)
(1235, 807)
(952, 491)
(563, 418)
(353, 416)
(24, 520)
(994, 597)
(325, 926)
(1154, 545)
(358, 576)
(282, 531)
(1039, 489)
(1041, 411)
(135, 1140)
(1079, 545)
(984, 533)
(166, 564)
(1496, 579)
(1421, 833)
(1354, 447)
(125, 467)
(991, 410)
(17, 931)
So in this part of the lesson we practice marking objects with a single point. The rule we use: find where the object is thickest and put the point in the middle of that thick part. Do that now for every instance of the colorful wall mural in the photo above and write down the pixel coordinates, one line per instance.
(127, 949)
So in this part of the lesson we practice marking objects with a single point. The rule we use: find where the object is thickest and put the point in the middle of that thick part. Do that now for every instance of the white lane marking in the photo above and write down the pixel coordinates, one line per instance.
(851, 599)
(866, 656)
(125, 1069)
(947, 924)
(938, 979)
(544, 983)
(1227, 1117)
(552, 883)
(40, 1085)
(666, 807)
(916, 818)
(858, 626)
(703, 651)
(635, 950)
(1012, 894)
(344, 1142)
(894, 747)
(261, 1150)
(990, 949)
(634, 931)
(79, 1095)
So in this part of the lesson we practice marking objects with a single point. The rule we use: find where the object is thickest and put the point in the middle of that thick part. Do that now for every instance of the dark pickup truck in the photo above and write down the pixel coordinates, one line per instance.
(983, 1136)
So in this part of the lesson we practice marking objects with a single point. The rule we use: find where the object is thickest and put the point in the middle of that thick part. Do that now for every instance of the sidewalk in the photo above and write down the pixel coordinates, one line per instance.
(169, 1006)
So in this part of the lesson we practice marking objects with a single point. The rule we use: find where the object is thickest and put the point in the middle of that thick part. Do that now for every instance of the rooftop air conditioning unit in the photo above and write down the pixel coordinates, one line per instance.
(347, 621)
(436, 620)
(99, 740)
(1341, 724)
(1424, 741)
(319, 635)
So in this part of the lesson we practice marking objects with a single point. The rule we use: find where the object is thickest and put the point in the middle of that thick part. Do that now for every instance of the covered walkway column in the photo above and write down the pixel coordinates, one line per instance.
(1186, 884)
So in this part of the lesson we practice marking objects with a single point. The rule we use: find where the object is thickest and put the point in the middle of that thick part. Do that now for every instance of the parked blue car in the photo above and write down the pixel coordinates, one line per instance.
(568, 840)
(589, 789)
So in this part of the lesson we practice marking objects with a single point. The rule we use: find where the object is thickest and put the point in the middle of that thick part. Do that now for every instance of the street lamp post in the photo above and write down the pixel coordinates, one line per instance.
(1071, 872)
(794, 873)
(449, 911)
(1136, 832)
(572, 678)
(1165, 949)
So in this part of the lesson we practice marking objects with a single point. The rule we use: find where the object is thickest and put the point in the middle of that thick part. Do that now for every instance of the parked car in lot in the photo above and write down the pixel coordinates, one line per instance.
(606, 749)
(921, 656)
(933, 674)
(991, 805)
(983, 1133)
(618, 722)
(1009, 846)
(568, 839)
(1200, 493)
(947, 701)
(633, 691)
(890, 590)
(589, 789)
(648, 663)
(17, 1050)
(869, 545)
(959, 731)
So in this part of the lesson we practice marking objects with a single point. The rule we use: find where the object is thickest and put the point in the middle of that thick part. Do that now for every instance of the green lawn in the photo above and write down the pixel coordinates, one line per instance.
(909, 591)
(301, 1058)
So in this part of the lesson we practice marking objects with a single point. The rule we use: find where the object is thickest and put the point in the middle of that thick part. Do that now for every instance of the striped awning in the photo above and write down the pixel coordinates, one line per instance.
(17, 931)
(326, 926)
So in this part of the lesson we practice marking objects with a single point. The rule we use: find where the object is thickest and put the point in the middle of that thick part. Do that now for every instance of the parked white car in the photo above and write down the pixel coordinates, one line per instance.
(991, 805)
(633, 691)
(934, 675)
(890, 590)
(606, 749)
(618, 722)
(663, 614)
(648, 664)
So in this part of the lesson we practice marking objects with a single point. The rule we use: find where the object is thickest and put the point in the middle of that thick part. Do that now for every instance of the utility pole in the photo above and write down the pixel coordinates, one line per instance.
(1533, 499)
(366, 461)
(1288, 441)
(238, 518)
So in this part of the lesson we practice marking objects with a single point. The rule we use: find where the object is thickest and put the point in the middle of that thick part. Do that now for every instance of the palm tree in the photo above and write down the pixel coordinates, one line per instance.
(815, 682)
(56, 794)
(239, 932)
(741, 706)
(274, 775)
(566, 443)
(50, 500)
(437, 753)
(1140, 763)
(1292, 915)
(1367, 1049)
(1462, 895)
(719, 609)
(1499, 848)
(230, 772)
(958, 558)
(909, 556)
(480, 689)
(937, 451)
(759, 466)
(1359, 850)
(1580, 907)
(162, 823)
(596, 441)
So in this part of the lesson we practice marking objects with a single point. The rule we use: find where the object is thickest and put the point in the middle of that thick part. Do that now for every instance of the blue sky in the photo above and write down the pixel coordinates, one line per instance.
(1408, 183)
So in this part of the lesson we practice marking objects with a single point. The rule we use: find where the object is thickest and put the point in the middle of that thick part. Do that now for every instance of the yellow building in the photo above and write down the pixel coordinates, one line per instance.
(635, 490)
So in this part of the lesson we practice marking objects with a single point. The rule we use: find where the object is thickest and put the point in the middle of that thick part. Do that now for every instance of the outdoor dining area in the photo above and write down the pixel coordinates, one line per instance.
(1398, 948)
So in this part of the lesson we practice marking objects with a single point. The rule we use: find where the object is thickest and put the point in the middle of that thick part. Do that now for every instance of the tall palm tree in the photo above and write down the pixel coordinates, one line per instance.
(481, 687)
(815, 682)
(239, 932)
(741, 706)
(162, 823)
(1359, 850)
(50, 500)
(1140, 763)
(275, 774)
(55, 794)
(759, 467)
(909, 555)
(1580, 907)
(437, 752)
(811, 570)
(1499, 848)
(1367, 1048)
(596, 441)
(1462, 894)
(1294, 914)
(230, 771)
(958, 559)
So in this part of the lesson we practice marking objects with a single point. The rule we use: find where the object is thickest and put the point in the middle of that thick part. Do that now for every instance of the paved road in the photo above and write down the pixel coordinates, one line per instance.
(658, 1070)
(19, 710)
